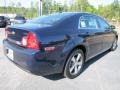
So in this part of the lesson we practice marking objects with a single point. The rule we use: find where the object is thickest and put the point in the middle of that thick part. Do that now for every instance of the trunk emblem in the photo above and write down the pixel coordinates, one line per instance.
(13, 33)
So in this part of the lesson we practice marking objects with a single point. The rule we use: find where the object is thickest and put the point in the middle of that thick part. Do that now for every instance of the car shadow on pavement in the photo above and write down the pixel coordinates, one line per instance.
(55, 77)
(95, 59)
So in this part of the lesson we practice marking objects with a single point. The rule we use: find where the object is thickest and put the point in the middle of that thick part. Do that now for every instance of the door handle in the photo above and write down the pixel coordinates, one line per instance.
(107, 30)
(91, 34)
(87, 34)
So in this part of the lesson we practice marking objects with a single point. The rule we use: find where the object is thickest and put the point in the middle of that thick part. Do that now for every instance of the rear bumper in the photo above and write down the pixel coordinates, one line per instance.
(33, 61)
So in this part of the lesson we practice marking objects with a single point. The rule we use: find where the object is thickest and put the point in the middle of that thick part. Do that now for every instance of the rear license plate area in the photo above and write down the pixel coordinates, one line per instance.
(9, 53)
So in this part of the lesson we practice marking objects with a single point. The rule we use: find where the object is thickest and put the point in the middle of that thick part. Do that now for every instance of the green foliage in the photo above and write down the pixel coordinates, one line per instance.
(109, 12)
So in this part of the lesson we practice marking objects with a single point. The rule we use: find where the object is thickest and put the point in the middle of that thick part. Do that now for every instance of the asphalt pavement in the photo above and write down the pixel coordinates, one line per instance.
(100, 73)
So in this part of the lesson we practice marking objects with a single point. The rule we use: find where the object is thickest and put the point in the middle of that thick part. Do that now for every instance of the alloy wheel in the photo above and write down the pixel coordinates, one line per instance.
(75, 64)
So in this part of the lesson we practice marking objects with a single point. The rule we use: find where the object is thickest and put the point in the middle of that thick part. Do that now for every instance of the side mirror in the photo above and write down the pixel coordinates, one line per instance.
(112, 27)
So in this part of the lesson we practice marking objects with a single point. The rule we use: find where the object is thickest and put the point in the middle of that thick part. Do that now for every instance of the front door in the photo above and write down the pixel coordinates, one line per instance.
(108, 35)
(88, 27)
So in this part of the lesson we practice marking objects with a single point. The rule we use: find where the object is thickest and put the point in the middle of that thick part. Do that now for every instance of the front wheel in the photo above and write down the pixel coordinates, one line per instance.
(74, 64)
(114, 45)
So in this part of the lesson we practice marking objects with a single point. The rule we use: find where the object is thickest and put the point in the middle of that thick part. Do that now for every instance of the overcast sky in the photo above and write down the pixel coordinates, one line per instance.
(27, 3)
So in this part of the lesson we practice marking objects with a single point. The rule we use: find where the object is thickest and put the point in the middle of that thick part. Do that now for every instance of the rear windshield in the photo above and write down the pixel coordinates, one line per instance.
(50, 19)
(19, 18)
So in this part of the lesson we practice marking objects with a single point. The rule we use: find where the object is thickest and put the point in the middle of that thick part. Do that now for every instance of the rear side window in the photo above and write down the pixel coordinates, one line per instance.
(88, 22)
(102, 23)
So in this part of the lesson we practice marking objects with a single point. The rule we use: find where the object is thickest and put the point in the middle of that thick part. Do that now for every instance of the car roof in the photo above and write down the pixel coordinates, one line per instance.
(19, 17)
(77, 13)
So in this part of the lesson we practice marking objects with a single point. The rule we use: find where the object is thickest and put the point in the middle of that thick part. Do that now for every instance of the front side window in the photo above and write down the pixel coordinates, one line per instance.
(88, 22)
(102, 23)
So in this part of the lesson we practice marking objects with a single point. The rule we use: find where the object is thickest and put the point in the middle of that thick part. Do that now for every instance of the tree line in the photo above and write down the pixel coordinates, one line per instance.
(110, 12)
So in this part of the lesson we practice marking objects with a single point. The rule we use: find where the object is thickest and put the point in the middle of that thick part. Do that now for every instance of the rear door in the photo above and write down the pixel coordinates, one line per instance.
(108, 35)
(88, 27)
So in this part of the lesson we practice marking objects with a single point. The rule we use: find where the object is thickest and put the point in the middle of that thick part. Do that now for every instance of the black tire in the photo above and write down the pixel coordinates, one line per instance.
(114, 45)
(67, 72)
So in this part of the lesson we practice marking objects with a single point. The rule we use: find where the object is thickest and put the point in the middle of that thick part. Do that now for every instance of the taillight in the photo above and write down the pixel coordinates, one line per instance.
(30, 41)
(6, 33)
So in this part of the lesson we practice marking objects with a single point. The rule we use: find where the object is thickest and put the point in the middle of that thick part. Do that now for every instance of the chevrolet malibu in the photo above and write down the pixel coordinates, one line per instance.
(59, 43)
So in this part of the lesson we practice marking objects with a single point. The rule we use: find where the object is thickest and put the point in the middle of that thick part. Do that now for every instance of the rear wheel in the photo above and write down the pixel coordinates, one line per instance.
(114, 45)
(74, 64)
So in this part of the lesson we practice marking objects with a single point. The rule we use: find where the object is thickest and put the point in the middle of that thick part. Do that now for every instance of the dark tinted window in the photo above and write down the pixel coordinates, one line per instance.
(102, 23)
(50, 19)
(20, 18)
(88, 22)
(1, 17)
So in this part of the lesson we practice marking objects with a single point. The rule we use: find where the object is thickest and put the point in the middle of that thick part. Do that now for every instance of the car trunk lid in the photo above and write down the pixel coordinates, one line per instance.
(17, 32)
(15, 35)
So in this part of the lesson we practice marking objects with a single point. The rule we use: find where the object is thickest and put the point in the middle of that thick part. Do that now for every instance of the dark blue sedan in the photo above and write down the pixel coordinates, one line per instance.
(58, 43)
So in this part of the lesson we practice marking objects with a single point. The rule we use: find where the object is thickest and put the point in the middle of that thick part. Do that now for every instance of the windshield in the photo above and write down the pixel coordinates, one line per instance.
(50, 19)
